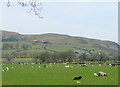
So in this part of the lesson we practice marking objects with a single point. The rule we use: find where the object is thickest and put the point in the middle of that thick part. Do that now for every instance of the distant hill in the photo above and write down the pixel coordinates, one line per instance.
(54, 40)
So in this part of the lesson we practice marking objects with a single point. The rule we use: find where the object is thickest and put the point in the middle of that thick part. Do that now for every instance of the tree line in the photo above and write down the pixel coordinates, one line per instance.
(61, 57)
(20, 51)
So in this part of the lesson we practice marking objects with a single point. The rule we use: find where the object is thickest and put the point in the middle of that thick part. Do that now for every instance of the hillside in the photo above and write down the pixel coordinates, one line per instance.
(60, 42)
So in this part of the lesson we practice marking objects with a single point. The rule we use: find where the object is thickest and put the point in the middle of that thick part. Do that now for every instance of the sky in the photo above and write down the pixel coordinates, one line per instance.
(97, 20)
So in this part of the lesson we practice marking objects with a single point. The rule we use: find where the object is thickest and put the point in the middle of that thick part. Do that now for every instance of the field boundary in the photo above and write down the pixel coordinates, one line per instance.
(60, 86)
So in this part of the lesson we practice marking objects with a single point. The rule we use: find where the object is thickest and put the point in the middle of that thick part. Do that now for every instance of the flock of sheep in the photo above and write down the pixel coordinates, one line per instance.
(67, 66)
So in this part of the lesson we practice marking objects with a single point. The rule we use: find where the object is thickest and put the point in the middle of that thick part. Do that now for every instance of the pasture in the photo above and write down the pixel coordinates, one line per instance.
(58, 74)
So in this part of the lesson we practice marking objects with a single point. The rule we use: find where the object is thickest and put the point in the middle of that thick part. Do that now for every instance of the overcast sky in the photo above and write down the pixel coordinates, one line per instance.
(98, 20)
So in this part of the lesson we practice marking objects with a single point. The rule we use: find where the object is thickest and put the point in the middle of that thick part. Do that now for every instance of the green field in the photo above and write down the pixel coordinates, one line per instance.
(58, 75)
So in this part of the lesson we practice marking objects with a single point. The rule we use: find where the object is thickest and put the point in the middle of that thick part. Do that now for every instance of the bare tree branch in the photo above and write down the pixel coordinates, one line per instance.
(35, 6)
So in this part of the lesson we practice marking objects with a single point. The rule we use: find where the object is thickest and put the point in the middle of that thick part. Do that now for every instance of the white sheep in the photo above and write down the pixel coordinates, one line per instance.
(7, 68)
(39, 66)
(67, 66)
(78, 82)
(50, 65)
(99, 64)
(3, 70)
(95, 74)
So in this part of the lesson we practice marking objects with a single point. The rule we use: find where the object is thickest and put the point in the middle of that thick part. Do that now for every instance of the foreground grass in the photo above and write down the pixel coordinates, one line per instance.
(58, 75)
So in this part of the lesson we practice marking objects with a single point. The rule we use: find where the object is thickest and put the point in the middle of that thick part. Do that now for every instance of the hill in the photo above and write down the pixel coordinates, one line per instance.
(61, 42)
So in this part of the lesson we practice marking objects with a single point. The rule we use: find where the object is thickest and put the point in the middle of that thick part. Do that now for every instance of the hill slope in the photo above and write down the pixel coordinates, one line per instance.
(57, 42)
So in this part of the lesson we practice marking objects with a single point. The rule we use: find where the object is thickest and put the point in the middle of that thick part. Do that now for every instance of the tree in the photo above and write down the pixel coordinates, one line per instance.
(45, 57)
(34, 5)
(68, 55)
(70, 59)
(55, 57)
(83, 57)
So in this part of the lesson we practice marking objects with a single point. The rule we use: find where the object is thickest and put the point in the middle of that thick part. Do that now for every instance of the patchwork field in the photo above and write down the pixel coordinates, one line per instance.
(58, 74)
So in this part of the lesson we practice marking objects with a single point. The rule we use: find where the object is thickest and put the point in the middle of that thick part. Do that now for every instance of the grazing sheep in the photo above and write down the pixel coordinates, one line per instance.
(39, 66)
(7, 68)
(67, 66)
(102, 74)
(99, 64)
(3, 70)
(32, 63)
(50, 65)
(77, 82)
(21, 63)
(31, 66)
(71, 66)
(113, 64)
(44, 66)
(95, 74)
(12, 63)
(84, 65)
(77, 78)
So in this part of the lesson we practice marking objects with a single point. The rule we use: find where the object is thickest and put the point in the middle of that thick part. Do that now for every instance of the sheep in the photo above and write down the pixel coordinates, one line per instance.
(102, 74)
(77, 78)
(71, 66)
(67, 66)
(12, 63)
(7, 68)
(44, 66)
(99, 64)
(3, 70)
(84, 65)
(32, 63)
(77, 82)
(95, 74)
(31, 66)
(50, 65)
(39, 66)
(113, 64)
(21, 63)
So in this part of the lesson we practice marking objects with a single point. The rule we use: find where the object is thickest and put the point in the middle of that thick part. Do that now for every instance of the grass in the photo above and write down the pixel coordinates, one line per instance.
(58, 75)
